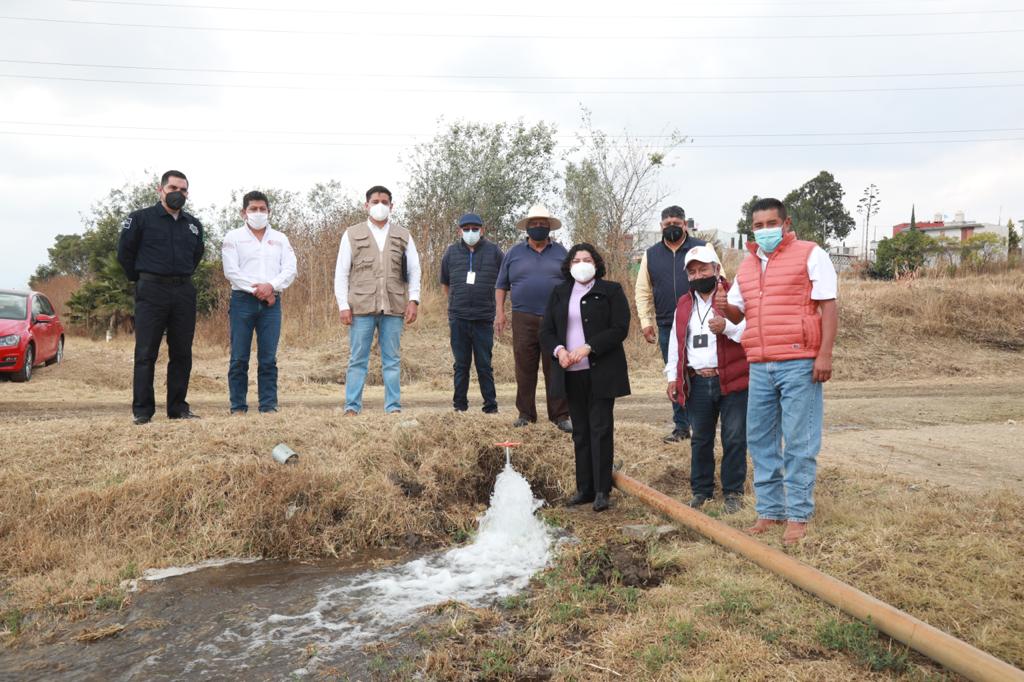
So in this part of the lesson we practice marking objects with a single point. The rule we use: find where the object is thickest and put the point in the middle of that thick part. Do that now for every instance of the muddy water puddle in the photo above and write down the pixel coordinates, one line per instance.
(277, 620)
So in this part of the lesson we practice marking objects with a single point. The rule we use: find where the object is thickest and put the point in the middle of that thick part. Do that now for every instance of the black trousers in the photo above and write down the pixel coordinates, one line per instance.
(593, 431)
(159, 308)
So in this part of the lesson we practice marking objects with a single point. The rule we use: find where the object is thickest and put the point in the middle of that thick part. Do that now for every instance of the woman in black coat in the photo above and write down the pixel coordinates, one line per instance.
(584, 325)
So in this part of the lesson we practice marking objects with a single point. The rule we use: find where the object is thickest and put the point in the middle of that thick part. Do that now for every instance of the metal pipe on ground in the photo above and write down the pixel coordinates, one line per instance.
(955, 654)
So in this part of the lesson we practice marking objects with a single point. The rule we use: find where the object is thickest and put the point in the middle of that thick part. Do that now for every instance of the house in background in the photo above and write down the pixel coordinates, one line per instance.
(959, 228)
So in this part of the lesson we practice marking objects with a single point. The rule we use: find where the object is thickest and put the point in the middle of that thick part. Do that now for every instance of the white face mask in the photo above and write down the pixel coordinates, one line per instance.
(583, 272)
(471, 237)
(257, 221)
(380, 212)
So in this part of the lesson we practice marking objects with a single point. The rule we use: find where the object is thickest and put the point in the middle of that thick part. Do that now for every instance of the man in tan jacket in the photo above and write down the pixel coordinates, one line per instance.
(377, 284)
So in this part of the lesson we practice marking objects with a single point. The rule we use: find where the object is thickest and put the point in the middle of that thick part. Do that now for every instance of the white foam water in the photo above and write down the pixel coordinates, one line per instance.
(511, 545)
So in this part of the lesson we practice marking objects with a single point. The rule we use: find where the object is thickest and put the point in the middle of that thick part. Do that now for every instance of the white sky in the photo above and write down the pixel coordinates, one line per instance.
(392, 73)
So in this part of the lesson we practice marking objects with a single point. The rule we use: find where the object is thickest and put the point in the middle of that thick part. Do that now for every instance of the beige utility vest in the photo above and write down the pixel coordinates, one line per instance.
(375, 281)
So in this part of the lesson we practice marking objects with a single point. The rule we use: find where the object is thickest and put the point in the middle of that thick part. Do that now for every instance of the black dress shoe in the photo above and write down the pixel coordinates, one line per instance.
(187, 414)
(600, 502)
(579, 498)
(139, 421)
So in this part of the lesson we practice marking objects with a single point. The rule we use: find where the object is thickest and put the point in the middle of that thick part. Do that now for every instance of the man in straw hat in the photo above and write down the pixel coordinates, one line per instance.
(530, 270)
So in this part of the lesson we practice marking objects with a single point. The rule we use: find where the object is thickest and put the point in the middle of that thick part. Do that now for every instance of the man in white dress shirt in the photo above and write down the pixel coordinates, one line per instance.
(377, 285)
(260, 264)
(707, 373)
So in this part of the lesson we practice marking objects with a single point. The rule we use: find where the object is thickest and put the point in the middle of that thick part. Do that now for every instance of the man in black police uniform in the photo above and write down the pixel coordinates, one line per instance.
(159, 249)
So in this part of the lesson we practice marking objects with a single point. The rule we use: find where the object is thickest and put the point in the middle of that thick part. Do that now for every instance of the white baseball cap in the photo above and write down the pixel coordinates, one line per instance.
(704, 253)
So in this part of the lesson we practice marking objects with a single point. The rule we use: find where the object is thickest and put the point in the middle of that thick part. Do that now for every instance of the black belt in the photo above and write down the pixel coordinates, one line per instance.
(164, 279)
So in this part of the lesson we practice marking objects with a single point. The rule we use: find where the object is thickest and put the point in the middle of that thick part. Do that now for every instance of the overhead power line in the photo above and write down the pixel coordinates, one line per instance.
(391, 12)
(319, 143)
(455, 76)
(468, 91)
(767, 35)
(362, 133)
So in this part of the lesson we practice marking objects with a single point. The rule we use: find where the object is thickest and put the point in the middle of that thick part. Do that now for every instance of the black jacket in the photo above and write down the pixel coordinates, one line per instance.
(605, 326)
(153, 241)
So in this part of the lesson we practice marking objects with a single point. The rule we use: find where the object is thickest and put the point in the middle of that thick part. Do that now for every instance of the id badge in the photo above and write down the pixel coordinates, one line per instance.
(700, 340)
(471, 277)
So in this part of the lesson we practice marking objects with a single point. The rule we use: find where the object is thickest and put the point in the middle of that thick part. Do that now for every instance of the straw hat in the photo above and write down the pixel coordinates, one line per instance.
(539, 211)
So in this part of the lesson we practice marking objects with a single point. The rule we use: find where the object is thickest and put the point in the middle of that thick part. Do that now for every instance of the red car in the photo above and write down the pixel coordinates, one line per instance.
(30, 333)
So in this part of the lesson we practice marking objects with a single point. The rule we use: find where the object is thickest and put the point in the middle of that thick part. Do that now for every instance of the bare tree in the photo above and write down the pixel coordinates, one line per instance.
(611, 192)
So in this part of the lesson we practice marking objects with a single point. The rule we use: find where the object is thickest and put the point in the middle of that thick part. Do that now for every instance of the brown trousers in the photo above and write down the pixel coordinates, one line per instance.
(527, 351)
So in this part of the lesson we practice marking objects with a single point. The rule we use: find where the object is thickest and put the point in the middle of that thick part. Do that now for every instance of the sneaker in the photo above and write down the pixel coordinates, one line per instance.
(187, 414)
(521, 422)
(350, 413)
(269, 410)
(733, 502)
(564, 425)
(697, 501)
(676, 436)
(239, 411)
(139, 421)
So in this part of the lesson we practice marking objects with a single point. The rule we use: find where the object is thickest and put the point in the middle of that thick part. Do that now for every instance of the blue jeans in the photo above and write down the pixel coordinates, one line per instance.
(703, 406)
(473, 339)
(784, 406)
(679, 419)
(248, 314)
(360, 338)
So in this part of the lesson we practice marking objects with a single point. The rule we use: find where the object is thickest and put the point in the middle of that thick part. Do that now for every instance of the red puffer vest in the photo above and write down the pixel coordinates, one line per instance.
(733, 370)
(783, 322)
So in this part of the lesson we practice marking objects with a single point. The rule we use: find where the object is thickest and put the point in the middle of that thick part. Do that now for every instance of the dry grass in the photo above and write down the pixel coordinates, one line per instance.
(91, 500)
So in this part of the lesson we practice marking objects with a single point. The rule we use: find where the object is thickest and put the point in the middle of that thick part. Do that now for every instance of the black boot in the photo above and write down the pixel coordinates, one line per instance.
(600, 502)
(579, 498)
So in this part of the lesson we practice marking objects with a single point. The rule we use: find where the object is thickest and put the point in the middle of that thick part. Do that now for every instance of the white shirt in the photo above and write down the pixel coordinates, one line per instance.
(249, 261)
(821, 272)
(343, 267)
(700, 358)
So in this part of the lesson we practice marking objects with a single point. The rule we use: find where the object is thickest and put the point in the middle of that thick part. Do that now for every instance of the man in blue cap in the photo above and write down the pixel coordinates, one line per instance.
(469, 271)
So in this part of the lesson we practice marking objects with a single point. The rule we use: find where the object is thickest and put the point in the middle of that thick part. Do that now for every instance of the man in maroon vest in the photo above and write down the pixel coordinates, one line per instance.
(786, 291)
(707, 373)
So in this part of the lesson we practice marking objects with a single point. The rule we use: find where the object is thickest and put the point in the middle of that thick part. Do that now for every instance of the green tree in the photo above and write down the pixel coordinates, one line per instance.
(1013, 239)
(496, 171)
(817, 210)
(744, 225)
(982, 249)
(902, 254)
(612, 190)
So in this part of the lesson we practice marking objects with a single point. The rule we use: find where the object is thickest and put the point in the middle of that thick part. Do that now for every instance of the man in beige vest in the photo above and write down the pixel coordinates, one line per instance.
(377, 284)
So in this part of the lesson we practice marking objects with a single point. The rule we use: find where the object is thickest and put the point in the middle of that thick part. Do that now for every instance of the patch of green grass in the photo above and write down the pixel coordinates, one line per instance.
(514, 602)
(733, 605)
(862, 642)
(131, 570)
(630, 597)
(681, 635)
(13, 620)
(496, 662)
(563, 612)
(109, 602)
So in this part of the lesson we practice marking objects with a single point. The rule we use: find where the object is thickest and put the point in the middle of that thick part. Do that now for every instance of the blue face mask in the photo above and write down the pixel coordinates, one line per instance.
(768, 238)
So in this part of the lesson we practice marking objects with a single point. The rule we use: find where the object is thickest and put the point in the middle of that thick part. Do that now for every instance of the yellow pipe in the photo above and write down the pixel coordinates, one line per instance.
(957, 655)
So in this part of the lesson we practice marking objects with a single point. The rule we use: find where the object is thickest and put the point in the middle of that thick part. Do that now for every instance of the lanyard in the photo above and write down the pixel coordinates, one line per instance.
(471, 261)
(706, 314)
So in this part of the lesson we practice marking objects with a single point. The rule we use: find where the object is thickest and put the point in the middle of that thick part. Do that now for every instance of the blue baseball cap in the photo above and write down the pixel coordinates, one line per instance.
(470, 219)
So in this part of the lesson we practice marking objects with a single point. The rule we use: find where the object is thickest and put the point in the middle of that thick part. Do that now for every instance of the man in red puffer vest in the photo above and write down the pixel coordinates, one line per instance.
(786, 291)
(707, 373)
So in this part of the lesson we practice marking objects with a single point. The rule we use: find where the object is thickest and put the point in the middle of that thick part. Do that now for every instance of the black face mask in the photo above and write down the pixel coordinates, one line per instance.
(175, 200)
(538, 234)
(704, 285)
(672, 233)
